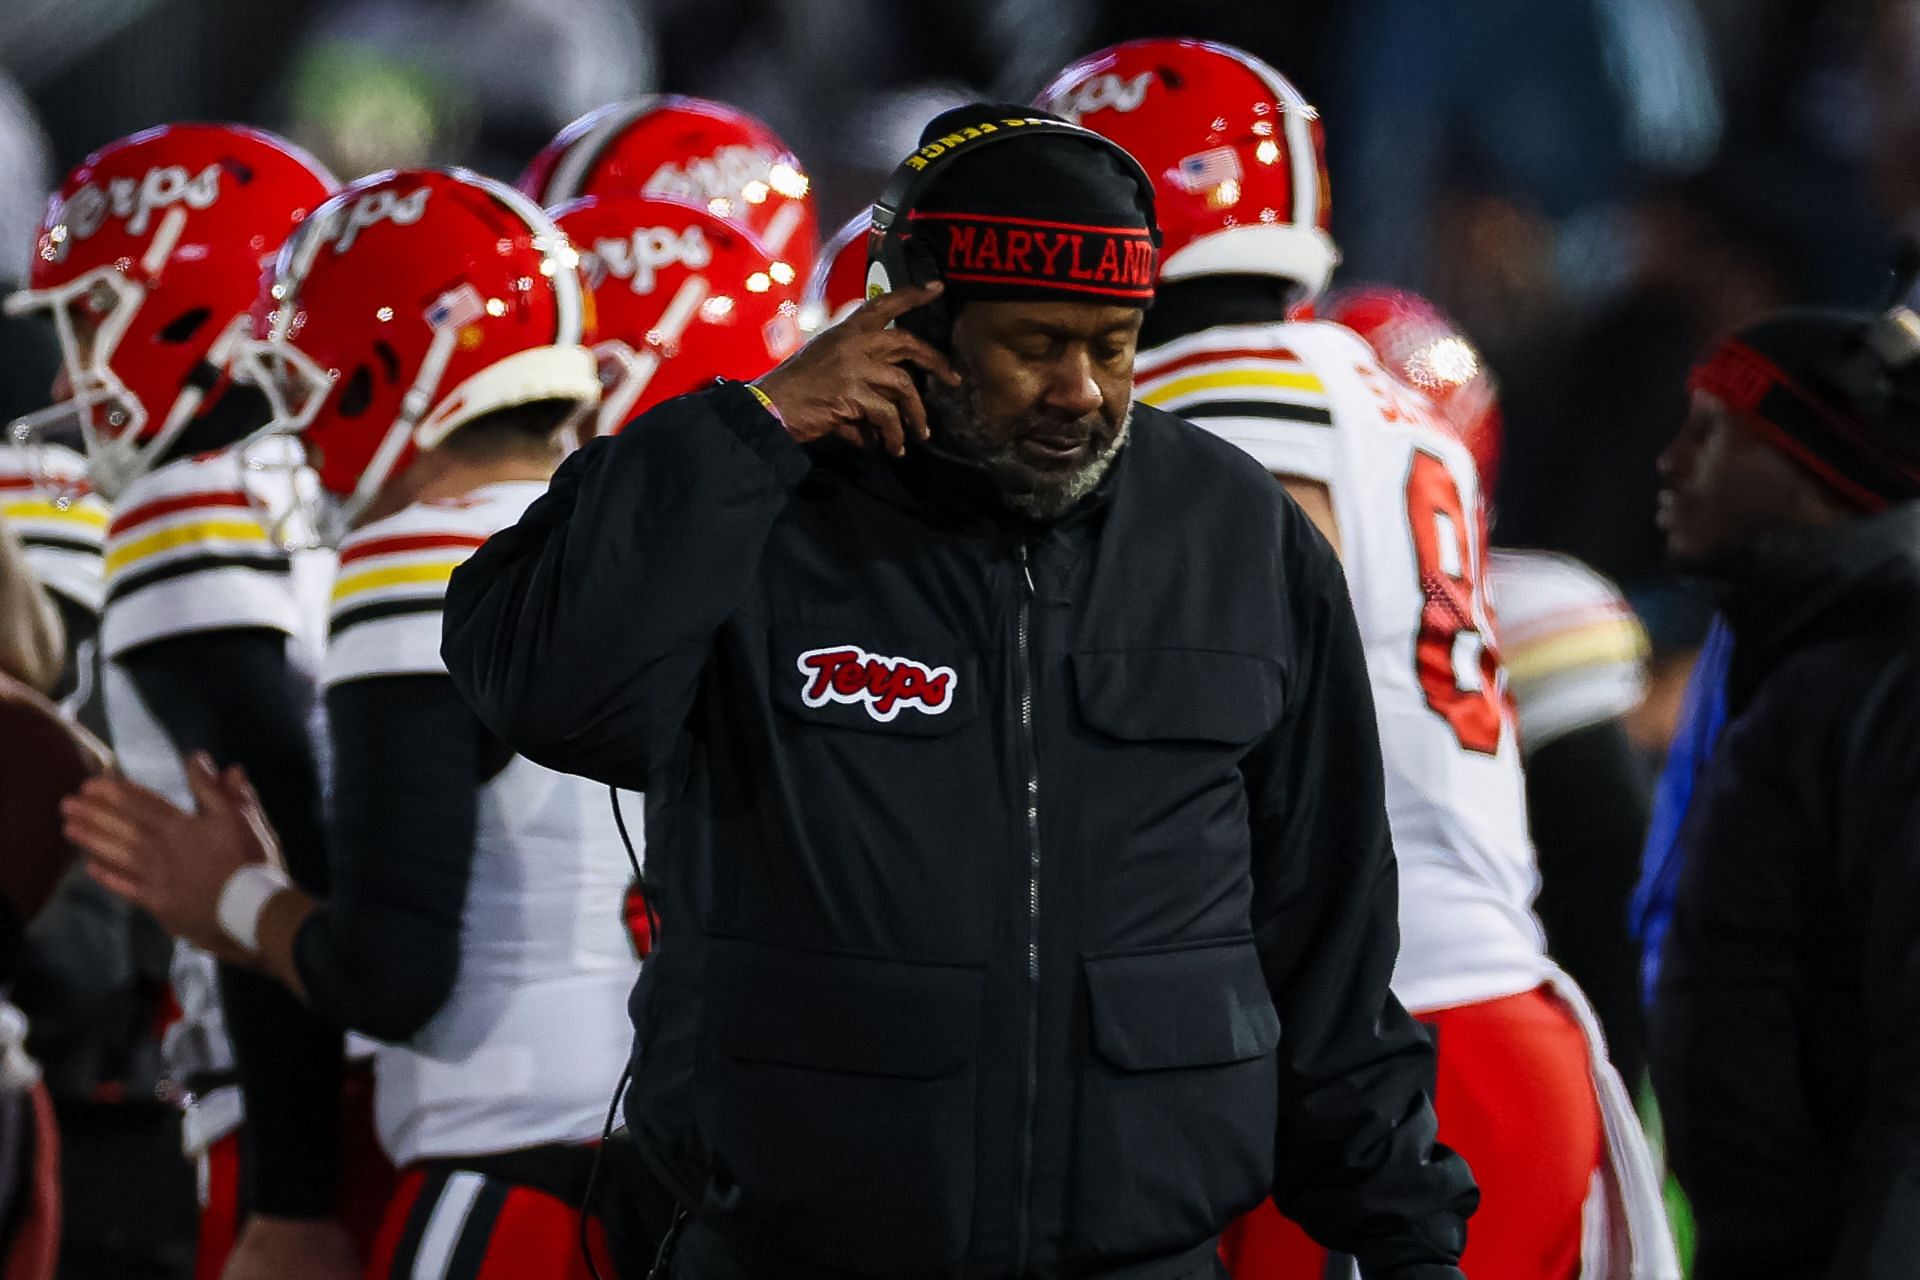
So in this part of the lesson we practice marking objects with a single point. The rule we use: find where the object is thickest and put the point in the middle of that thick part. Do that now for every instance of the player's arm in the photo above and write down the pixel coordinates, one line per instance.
(380, 952)
(1357, 1161)
(231, 694)
(1315, 497)
(380, 955)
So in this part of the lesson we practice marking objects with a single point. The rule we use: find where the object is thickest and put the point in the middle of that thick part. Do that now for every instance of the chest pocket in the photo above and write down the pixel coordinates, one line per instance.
(1176, 695)
(852, 678)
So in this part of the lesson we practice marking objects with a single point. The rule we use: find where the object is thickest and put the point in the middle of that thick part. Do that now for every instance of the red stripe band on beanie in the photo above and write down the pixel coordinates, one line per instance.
(1104, 262)
(1826, 440)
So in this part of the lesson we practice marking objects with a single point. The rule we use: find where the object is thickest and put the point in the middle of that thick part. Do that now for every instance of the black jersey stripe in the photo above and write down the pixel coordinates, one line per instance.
(261, 561)
(53, 542)
(347, 619)
(1277, 409)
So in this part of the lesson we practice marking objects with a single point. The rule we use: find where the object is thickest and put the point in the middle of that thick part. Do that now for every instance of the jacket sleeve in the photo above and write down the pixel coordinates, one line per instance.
(578, 635)
(1356, 1162)
(1878, 808)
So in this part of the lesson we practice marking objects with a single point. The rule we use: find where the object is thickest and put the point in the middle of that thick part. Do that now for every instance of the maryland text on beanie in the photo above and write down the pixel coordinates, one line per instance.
(1040, 216)
(1836, 391)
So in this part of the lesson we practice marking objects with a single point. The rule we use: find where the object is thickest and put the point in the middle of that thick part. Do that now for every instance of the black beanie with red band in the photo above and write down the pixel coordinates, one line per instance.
(1044, 217)
(1836, 391)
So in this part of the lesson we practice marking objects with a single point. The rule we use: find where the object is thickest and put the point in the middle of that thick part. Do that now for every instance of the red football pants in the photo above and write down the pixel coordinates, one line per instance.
(1515, 1098)
(367, 1176)
(454, 1224)
(220, 1212)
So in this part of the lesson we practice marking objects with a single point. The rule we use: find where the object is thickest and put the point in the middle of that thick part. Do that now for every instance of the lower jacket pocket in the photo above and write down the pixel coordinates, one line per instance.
(1178, 1099)
(837, 1096)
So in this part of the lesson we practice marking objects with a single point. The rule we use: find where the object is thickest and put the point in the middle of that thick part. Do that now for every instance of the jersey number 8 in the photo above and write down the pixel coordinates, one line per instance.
(1454, 658)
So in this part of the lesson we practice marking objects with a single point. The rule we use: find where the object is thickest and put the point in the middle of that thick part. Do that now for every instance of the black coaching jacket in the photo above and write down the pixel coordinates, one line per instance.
(1785, 1040)
(1027, 899)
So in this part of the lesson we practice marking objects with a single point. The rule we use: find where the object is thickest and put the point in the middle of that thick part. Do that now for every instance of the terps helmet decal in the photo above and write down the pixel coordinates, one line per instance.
(1236, 154)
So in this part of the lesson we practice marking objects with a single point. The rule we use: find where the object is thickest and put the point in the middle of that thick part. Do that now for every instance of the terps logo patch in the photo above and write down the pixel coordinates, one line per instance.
(884, 685)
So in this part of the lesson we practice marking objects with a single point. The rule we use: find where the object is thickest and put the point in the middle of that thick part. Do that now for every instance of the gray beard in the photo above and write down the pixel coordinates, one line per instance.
(1038, 496)
(1057, 497)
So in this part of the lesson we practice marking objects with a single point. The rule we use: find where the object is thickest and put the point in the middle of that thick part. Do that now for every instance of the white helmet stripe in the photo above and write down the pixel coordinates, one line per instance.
(1306, 168)
(556, 253)
(1297, 117)
(585, 152)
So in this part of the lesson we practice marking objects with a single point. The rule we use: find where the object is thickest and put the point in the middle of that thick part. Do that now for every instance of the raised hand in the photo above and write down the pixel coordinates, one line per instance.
(170, 862)
(852, 381)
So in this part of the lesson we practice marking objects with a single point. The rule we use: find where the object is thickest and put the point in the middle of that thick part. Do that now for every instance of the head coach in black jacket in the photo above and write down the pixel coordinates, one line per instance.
(1014, 801)
(1785, 1039)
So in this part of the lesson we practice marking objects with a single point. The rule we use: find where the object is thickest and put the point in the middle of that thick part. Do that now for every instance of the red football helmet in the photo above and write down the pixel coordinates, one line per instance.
(839, 280)
(1419, 344)
(410, 304)
(680, 297)
(148, 261)
(687, 149)
(1235, 153)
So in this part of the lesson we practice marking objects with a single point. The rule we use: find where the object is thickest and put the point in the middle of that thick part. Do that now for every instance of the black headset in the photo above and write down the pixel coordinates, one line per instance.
(895, 260)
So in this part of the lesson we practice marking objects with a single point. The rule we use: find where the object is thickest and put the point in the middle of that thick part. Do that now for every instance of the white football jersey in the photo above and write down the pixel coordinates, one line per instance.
(1311, 400)
(188, 551)
(532, 1040)
(1574, 652)
(62, 525)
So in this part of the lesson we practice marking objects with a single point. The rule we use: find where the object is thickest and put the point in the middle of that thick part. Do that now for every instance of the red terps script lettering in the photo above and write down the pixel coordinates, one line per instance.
(883, 685)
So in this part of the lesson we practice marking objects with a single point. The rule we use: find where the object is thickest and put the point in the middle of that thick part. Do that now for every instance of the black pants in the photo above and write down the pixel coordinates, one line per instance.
(130, 1211)
(702, 1243)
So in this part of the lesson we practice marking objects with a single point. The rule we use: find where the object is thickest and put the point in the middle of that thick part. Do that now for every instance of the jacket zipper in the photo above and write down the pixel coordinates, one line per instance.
(1025, 656)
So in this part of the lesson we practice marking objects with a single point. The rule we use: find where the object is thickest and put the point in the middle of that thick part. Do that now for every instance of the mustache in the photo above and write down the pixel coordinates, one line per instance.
(1086, 426)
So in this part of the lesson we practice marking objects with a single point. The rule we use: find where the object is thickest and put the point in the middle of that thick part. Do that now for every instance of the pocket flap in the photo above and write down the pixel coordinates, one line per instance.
(1189, 1007)
(840, 1013)
(1171, 694)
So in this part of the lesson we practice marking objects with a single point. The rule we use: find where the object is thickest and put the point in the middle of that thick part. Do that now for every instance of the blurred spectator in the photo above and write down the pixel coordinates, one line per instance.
(1559, 107)
(1595, 394)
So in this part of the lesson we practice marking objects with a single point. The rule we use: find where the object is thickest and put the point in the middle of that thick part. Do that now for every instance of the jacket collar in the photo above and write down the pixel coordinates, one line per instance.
(1791, 587)
(947, 491)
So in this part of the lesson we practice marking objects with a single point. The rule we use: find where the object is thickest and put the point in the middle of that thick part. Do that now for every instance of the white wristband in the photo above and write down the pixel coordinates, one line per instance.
(243, 899)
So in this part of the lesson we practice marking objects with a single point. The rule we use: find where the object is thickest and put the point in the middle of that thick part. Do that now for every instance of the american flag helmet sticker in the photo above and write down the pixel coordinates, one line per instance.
(456, 307)
(1205, 170)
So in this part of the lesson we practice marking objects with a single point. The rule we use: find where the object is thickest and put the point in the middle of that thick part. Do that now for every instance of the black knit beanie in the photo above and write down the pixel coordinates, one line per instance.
(1047, 216)
(1836, 391)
